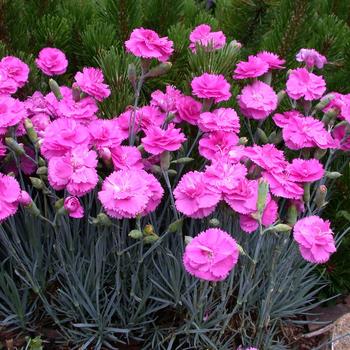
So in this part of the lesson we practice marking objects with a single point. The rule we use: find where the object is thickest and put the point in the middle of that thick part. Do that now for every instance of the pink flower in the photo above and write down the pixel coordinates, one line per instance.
(73, 207)
(315, 239)
(305, 170)
(268, 157)
(9, 194)
(253, 68)
(166, 101)
(105, 133)
(52, 61)
(40, 123)
(16, 69)
(91, 82)
(272, 59)
(221, 119)
(243, 197)
(123, 122)
(341, 134)
(7, 84)
(147, 116)
(270, 214)
(203, 36)
(211, 86)
(75, 171)
(188, 109)
(311, 58)
(156, 191)
(12, 112)
(128, 193)
(24, 198)
(257, 100)
(282, 186)
(217, 144)
(36, 104)
(211, 255)
(63, 135)
(158, 140)
(146, 43)
(341, 103)
(82, 111)
(302, 83)
(300, 132)
(52, 104)
(194, 197)
(126, 157)
(223, 176)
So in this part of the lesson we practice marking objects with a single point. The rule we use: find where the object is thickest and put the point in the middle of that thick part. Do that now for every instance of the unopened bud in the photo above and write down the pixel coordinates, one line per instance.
(333, 174)
(330, 116)
(150, 239)
(280, 96)
(135, 234)
(306, 192)
(156, 169)
(175, 226)
(41, 162)
(37, 183)
(320, 153)
(31, 133)
(55, 89)
(214, 222)
(165, 160)
(132, 76)
(183, 160)
(172, 172)
(41, 170)
(33, 209)
(76, 92)
(320, 197)
(149, 230)
(169, 117)
(324, 102)
(14, 146)
(235, 45)
(281, 228)
(25, 198)
(275, 137)
(263, 191)
(243, 141)
(262, 136)
(102, 219)
(161, 69)
(140, 148)
(59, 203)
(292, 215)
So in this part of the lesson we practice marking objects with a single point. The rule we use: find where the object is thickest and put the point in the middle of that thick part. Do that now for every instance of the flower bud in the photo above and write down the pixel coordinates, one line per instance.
(183, 160)
(150, 239)
(33, 209)
(333, 174)
(263, 190)
(262, 136)
(156, 169)
(161, 69)
(14, 146)
(140, 148)
(175, 226)
(320, 197)
(132, 76)
(243, 141)
(172, 172)
(149, 230)
(307, 192)
(41, 162)
(330, 116)
(292, 215)
(280, 96)
(135, 234)
(41, 170)
(165, 160)
(169, 117)
(55, 89)
(59, 204)
(281, 228)
(33, 136)
(76, 92)
(320, 153)
(103, 220)
(37, 183)
(275, 137)
(324, 102)
(105, 154)
(235, 45)
(25, 198)
(214, 222)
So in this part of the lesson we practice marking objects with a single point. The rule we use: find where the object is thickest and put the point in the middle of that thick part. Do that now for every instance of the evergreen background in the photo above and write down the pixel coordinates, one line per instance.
(92, 33)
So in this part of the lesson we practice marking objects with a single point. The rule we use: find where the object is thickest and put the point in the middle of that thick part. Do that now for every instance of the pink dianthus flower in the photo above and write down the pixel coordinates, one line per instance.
(188, 109)
(211, 255)
(315, 239)
(73, 207)
(91, 82)
(158, 140)
(302, 83)
(341, 133)
(52, 61)
(211, 86)
(341, 103)
(221, 119)
(257, 100)
(194, 197)
(146, 43)
(253, 68)
(301, 170)
(105, 133)
(7, 84)
(311, 58)
(272, 59)
(9, 195)
(203, 36)
(126, 157)
(12, 112)
(166, 101)
(75, 171)
(16, 69)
